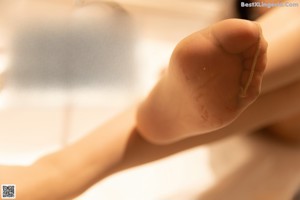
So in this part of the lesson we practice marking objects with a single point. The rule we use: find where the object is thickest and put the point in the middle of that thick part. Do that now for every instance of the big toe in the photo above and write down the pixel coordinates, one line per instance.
(244, 39)
(235, 35)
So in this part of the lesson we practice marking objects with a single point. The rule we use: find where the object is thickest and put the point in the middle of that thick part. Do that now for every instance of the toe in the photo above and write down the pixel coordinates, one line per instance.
(244, 38)
(252, 75)
(235, 35)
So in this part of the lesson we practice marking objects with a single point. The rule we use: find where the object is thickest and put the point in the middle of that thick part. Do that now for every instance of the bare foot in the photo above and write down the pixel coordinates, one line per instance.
(213, 75)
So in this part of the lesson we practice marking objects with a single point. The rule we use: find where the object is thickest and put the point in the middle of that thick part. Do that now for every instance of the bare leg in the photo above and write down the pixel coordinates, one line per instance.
(140, 151)
(213, 75)
(112, 148)
(287, 129)
(283, 66)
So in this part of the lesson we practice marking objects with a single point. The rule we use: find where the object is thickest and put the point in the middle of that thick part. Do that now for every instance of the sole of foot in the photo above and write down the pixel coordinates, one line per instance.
(213, 75)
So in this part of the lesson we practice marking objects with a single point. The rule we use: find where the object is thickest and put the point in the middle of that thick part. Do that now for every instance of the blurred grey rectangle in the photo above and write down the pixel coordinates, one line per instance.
(73, 55)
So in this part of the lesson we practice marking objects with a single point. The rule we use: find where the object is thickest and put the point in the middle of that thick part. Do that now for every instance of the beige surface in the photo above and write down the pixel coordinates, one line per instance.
(254, 167)
(27, 133)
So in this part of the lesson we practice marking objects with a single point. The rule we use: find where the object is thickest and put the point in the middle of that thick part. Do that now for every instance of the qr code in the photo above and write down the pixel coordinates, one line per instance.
(8, 191)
